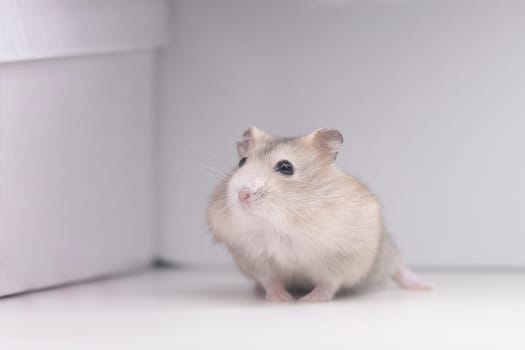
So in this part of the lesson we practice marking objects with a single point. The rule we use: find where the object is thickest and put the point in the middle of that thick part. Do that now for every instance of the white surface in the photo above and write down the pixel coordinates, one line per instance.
(76, 172)
(429, 95)
(31, 29)
(219, 310)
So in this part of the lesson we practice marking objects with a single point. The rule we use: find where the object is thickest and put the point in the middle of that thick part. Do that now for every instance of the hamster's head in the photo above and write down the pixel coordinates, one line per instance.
(279, 173)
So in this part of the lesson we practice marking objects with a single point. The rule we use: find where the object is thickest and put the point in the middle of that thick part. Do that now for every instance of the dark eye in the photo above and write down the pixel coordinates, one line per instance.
(242, 162)
(284, 167)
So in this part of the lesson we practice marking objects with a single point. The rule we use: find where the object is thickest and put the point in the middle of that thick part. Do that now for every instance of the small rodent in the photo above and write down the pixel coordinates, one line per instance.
(292, 219)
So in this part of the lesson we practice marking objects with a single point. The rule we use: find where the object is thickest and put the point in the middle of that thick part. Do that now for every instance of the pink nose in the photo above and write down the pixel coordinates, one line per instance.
(244, 196)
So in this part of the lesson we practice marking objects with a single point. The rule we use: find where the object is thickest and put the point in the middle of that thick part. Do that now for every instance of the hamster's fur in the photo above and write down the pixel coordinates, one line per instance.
(302, 223)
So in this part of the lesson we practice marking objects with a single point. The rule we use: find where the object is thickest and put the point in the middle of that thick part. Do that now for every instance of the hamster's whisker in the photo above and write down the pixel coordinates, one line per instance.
(202, 151)
(280, 216)
(214, 176)
(210, 168)
(278, 212)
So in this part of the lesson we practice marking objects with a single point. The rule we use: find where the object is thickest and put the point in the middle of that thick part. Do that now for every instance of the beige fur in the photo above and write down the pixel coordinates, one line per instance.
(319, 228)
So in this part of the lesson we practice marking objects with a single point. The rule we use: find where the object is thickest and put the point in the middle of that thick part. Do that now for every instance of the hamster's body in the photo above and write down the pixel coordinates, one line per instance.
(292, 219)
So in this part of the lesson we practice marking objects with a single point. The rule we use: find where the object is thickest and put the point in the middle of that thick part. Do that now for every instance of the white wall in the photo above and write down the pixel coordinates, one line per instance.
(76, 169)
(35, 29)
(429, 95)
(77, 129)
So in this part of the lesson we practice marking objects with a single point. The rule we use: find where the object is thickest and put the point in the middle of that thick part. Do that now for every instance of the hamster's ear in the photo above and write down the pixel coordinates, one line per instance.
(326, 141)
(249, 138)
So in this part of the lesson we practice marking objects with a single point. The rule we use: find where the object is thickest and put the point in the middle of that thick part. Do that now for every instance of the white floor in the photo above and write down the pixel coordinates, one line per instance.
(170, 309)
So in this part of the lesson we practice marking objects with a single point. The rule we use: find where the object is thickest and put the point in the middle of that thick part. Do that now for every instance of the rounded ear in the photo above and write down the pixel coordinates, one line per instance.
(326, 141)
(250, 138)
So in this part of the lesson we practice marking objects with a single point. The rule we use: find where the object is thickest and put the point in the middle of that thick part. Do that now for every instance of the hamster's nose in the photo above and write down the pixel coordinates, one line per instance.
(244, 196)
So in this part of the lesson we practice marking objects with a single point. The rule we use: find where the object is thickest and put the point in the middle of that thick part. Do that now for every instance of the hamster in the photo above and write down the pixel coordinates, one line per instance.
(292, 219)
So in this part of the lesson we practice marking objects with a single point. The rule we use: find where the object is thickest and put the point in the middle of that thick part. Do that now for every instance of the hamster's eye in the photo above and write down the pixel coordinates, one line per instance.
(242, 162)
(284, 167)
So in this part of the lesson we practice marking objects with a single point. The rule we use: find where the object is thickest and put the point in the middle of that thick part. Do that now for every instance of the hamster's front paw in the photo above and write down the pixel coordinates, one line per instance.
(321, 293)
(281, 296)
(316, 297)
(275, 291)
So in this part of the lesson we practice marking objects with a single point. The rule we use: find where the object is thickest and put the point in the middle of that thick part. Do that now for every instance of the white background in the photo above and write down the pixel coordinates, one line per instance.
(429, 96)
